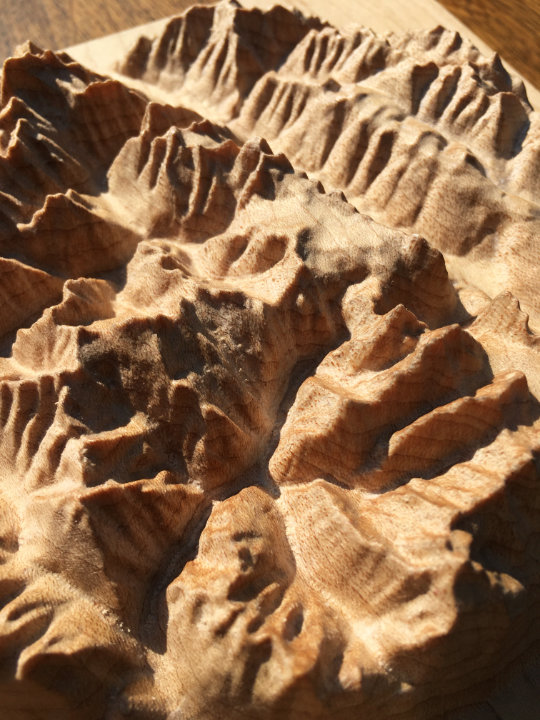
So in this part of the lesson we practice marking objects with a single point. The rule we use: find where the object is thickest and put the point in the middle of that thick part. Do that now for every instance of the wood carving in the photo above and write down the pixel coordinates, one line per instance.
(269, 396)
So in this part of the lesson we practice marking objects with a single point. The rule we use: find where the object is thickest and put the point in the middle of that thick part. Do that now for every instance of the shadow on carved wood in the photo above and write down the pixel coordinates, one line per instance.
(269, 396)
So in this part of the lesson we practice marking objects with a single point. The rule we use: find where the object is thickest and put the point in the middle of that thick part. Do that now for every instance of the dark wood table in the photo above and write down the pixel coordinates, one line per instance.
(511, 28)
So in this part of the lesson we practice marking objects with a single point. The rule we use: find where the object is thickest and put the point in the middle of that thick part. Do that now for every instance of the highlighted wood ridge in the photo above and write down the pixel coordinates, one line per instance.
(269, 408)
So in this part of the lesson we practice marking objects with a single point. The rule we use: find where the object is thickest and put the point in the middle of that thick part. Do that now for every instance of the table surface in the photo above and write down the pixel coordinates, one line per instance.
(509, 27)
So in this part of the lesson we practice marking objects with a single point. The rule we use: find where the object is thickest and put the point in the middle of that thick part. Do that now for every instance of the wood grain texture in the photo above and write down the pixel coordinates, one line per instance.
(511, 28)
(61, 23)
(58, 23)
(263, 456)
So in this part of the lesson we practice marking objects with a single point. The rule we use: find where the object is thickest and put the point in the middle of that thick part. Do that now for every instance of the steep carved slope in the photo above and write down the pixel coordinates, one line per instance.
(60, 128)
(421, 132)
(262, 456)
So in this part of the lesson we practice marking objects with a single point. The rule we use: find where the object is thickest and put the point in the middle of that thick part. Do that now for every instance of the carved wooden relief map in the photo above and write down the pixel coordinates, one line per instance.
(269, 378)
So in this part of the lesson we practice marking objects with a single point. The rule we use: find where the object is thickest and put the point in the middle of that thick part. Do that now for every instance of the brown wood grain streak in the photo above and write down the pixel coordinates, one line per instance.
(511, 28)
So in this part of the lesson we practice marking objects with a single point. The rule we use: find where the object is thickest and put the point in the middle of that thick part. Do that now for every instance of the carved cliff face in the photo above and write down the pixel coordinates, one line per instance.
(263, 456)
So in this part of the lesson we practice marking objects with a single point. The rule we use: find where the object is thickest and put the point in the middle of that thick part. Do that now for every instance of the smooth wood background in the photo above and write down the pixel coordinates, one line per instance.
(512, 27)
